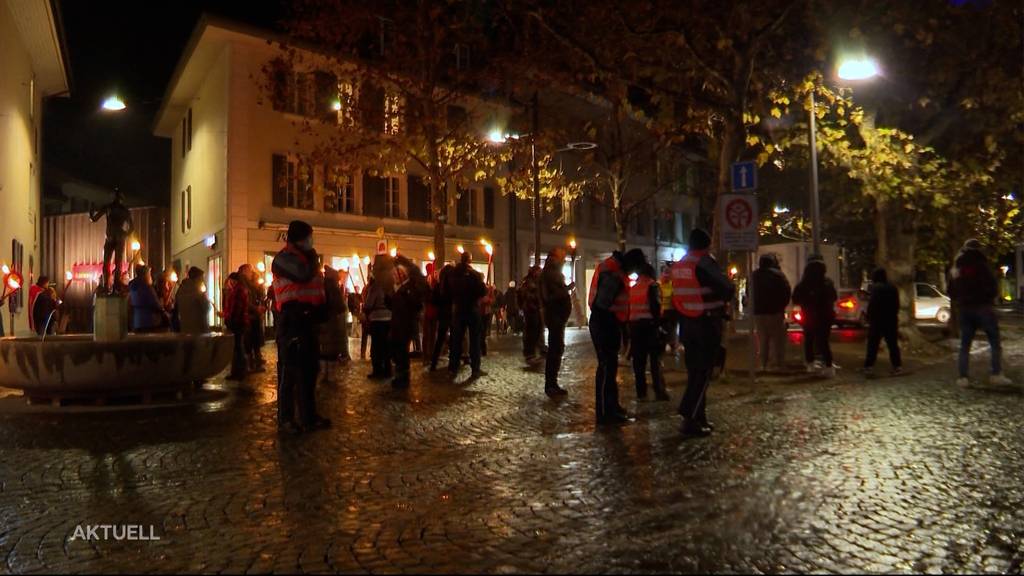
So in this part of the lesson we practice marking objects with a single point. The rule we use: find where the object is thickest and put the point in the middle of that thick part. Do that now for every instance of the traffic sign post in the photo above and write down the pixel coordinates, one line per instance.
(744, 176)
(739, 231)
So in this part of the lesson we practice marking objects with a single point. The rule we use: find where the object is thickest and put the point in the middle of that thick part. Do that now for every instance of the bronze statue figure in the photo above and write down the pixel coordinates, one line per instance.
(119, 227)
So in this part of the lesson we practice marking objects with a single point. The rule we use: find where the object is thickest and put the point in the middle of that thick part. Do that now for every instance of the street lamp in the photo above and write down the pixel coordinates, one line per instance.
(850, 69)
(113, 103)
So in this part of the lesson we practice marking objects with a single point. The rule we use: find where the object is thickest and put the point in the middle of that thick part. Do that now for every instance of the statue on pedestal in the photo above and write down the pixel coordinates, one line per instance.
(119, 227)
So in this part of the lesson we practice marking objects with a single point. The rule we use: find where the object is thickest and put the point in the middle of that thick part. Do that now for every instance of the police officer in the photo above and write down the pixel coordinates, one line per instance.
(644, 328)
(609, 312)
(700, 291)
(301, 304)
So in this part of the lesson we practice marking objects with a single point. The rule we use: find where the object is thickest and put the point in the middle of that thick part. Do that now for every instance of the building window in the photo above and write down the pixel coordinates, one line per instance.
(418, 199)
(391, 208)
(297, 95)
(293, 182)
(392, 113)
(468, 208)
(387, 35)
(32, 99)
(346, 104)
(184, 141)
(189, 129)
(188, 218)
(182, 212)
(339, 191)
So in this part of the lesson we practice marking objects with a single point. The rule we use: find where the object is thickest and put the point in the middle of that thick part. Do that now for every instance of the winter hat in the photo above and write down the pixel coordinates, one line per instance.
(699, 239)
(299, 231)
(972, 244)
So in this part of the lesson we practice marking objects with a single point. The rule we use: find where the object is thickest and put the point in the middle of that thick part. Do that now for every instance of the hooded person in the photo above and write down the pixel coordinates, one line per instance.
(883, 322)
(816, 295)
(772, 292)
(609, 314)
(301, 303)
(556, 303)
(974, 290)
(700, 293)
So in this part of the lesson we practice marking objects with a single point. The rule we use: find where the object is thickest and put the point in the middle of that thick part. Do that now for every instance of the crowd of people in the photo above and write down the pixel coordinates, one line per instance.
(403, 313)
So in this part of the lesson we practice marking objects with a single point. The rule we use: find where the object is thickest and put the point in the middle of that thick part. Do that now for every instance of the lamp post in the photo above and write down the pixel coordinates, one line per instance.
(851, 69)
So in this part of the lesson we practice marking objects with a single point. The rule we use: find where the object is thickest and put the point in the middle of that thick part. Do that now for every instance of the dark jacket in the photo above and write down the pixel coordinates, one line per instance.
(193, 307)
(883, 302)
(466, 287)
(816, 295)
(147, 313)
(42, 307)
(771, 288)
(529, 295)
(554, 294)
(407, 302)
(974, 284)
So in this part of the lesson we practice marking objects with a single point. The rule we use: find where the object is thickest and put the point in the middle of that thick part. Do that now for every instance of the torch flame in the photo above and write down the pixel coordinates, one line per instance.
(67, 275)
(572, 243)
(460, 249)
(394, 252)
(489, 249)
(430, 255)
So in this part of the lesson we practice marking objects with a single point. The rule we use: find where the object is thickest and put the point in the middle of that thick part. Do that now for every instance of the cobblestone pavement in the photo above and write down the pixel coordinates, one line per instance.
(902, 474)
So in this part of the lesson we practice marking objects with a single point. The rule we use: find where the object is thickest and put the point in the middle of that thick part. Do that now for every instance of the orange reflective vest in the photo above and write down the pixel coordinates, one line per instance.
(286, 290)
(639, 304)
(688, 296)
(620, 307)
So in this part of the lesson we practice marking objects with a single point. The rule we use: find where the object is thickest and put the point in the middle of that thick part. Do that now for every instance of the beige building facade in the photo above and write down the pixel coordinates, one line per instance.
(32, 67)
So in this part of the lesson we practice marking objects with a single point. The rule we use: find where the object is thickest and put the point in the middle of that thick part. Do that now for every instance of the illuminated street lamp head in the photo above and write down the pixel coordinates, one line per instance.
(858, 69)
(496, 136)
(136, 245)
(114, 104)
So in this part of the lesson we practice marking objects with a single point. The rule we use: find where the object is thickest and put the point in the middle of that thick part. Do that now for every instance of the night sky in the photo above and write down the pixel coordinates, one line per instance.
(132, 48)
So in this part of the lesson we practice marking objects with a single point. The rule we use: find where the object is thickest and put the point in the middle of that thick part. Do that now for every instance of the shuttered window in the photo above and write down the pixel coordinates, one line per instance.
(489, 207)
(419, 199)
(373, 196)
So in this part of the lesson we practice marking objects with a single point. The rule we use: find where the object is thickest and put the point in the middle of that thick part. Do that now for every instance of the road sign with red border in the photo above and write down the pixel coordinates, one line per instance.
(738, 222)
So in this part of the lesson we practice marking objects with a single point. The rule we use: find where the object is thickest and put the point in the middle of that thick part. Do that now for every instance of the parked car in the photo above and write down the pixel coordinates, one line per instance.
(930, 303)
(851, 309)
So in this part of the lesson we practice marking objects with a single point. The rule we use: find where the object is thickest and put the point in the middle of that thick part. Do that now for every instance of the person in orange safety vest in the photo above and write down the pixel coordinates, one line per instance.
(609, 314)
(301, 303)
(700, 291)
(644, 332)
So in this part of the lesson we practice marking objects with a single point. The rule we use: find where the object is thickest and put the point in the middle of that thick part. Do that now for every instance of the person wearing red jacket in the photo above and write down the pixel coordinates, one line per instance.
(236, 318)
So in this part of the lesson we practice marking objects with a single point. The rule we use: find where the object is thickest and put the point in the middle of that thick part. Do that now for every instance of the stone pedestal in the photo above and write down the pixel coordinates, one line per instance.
(110, 318)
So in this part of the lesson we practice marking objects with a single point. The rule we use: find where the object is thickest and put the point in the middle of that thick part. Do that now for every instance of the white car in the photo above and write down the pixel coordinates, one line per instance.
(930, 304)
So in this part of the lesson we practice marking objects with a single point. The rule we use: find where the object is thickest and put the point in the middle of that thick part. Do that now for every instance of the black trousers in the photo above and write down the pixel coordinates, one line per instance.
(531, 332)
(647, 348)
(606, 335)
(380, 356)
(298, 365)
(556, 347)
(816, 335)
(702, 337)
(465, 320)
(444, 322)
(876, 333)
(400, 356)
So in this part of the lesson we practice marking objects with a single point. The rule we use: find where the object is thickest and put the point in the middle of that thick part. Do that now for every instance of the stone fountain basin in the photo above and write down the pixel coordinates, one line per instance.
(74, 365)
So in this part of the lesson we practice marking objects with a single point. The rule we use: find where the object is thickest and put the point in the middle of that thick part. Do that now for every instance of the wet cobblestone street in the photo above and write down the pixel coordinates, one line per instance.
(898, 474)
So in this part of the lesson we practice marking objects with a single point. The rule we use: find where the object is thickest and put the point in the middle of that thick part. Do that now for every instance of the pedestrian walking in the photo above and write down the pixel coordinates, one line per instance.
(556, 301)
(646, 334)
(333, 341)
(609, 314)
(772, 297)
(486, 316)
(377, 308)
(442, 301)
(530, 304)
(974, 289)
(700, 291)
(816, 295)
(406, 305)
(236, 318)
(466, 287)
(300, 300)
(883, 322)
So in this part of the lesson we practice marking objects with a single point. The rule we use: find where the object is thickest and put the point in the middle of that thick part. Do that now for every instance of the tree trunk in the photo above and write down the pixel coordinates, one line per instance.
(730, 146)
(897, 239)
(617, 216)
(439, 208)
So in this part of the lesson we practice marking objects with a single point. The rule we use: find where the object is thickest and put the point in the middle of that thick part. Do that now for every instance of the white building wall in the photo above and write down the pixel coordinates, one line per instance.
(20, 152)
